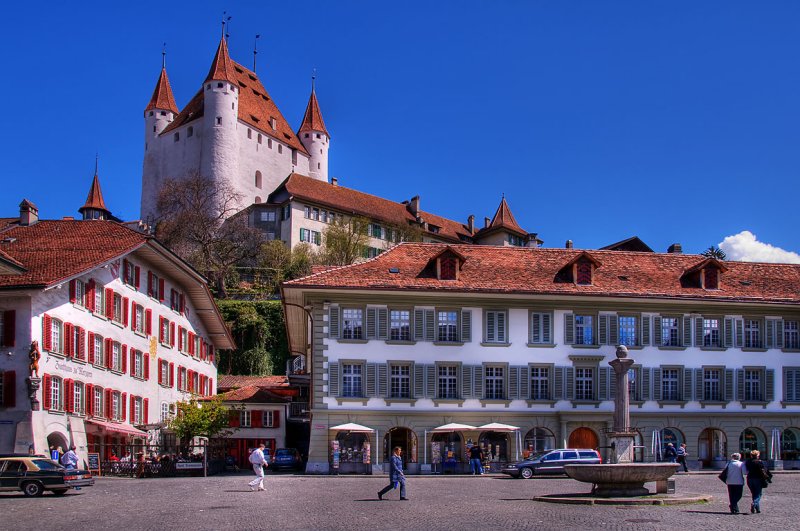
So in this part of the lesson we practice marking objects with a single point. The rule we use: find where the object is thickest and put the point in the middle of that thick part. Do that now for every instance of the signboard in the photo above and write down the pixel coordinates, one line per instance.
(436, 453)
(188, 466)
(94, 463)
(335, 453)
(366, 458)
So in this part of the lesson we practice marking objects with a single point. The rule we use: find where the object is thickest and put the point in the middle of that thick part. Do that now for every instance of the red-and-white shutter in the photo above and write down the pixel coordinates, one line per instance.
(90, 339)
(148, 322)
(133, 409)
(136, 272)
(146, 358)
(276, 418)
(109, 345)
(69, 395)
(124, 359)
(183, 304)
(255, 418)
(110, 303)
(172, 334)
(46, 391)
(72, 290)
(191, 343)
(81, 343)
(123, 400)
(88, 396)
(133, 362)
(144, 411)
(125, 307)
(47, 333)
(150, 283)
(171, 374)
(161, 289)
(211, 390)
(160, 371)
(90, 293)
(69, 340)
(180, 338)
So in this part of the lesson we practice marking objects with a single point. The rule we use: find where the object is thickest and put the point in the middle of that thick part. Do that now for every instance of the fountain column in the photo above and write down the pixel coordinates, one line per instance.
(622, 437)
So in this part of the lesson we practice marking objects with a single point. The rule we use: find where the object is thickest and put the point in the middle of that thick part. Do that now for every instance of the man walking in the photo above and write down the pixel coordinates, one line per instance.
(70, 460)
(258, 461)
(682, 453)
(476, 460)
(396, 475)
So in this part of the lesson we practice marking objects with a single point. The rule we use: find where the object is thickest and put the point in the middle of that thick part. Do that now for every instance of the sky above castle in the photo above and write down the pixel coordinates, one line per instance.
(672, 121)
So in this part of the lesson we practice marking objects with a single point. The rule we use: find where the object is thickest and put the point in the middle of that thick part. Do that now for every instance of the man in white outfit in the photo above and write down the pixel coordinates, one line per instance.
(257, 460)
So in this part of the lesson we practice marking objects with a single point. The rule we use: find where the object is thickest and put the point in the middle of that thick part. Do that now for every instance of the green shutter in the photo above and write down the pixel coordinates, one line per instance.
(779, 333)
(613, 329)
(569, 329)
(466, 326)
(557, 387)
(602, 330)
(687, 384)
(333, 322)
(570, 383)
(770, 384)
(728, 332)
(657, 333)
(739, 333)
(698, 332)
(383, 380)
(687, 332)
(769, 339)
(333, 378)
(430, 380)
(728, 375)
(419, 325)
(645, 379)
(383, 323)
(698, 384)
(490, 326)
(372, 379)
(372, 317)
(602, 384)
(524, 382)
(466, 381)
(740, 384)
(430, 325)
(645, 330)
(513, 383)
(419, 381)
(658, 385)
(502, 329)
(477, 381)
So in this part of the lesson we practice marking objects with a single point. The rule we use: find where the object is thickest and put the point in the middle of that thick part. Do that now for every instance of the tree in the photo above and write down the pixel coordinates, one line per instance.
(260, 334)
(344, 241)
(202, 418)
(404, 233)
(276, 263)
(714, 252)
(196, 220)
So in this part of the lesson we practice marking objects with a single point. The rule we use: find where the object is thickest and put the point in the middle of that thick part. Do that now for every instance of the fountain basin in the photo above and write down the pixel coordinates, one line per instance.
(621, 479)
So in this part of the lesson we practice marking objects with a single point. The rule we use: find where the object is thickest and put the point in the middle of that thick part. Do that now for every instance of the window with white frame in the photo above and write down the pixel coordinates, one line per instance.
(540, 328)
(56, 336)
(540, 383)
(670, 384)
(78, 401)
(56, 393)
(99, 300)
(116, 405)
(352, 323)
(129, 275)
(98, 402)
(138, 319)
(153, 289)
(494, 381)
(80, 293)
(138, 364)
(752, 333)
(116, 356)
(496, 326)
(627, 330)
(711, 337)
(75, 341)
(118, 308)
(310, 236)
(447, 326)
(137, 410)
(175, 300)
(164, 372)
(753, 390)
(182, 383)
(400, 325)
(584, 330)
(400, 381)
(447, 381)
(99, 359)
(670, 332)
(184, 340)
(352, 379)
(165, 416)
(712, 385)
(163, 335)
(267, 419)
(584, 383)
(245, 418)
(791, 335)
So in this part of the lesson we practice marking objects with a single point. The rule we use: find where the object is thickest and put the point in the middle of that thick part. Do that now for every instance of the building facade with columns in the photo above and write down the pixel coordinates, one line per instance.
(103, 331)
(427, 335)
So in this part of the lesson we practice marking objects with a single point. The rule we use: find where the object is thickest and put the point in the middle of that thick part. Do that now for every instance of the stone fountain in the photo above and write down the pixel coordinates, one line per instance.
(623, 477)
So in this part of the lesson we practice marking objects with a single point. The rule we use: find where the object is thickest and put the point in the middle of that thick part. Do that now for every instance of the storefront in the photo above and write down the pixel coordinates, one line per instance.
(351, 449)
(712, 448)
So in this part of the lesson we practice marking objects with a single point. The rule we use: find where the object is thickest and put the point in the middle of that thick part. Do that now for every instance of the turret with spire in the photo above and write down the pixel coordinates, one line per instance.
(161, 109)
(315, 137)
(503, 229)
(95, 206)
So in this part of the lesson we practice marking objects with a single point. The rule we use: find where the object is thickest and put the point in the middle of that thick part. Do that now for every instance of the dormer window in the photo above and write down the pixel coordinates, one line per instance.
(583, 273)
(711, 280)
(578, 271)
(448, 264)
(447, 268)
(705, 275)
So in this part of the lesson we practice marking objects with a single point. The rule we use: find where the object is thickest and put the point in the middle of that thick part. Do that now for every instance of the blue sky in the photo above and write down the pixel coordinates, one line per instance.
(674, 121)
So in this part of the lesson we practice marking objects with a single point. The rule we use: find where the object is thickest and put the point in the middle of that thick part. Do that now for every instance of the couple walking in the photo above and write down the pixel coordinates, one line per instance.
(758, 477)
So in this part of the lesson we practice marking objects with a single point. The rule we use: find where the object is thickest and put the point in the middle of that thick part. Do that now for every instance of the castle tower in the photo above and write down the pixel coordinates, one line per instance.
(219, 159)
(315, 138)
(95, 206)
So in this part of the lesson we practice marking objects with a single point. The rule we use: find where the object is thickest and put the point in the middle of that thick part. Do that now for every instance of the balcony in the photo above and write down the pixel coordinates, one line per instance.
(299, 411)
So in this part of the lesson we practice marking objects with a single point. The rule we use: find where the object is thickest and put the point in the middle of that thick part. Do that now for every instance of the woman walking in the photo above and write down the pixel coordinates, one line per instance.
(734, 479)
(758, 477)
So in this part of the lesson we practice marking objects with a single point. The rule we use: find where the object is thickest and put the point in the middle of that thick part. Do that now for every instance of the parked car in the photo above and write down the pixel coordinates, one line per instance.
(286, 458)
(35, 474)
(552, 462)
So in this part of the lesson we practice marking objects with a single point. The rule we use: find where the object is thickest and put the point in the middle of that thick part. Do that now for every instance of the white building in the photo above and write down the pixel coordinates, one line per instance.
(125, 329)
(429, 334)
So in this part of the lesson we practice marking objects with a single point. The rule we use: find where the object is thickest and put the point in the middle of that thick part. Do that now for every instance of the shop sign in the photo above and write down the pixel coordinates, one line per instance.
(188, 466)
(319, 426)
(335, 454)
(77, 369)
(436, 453)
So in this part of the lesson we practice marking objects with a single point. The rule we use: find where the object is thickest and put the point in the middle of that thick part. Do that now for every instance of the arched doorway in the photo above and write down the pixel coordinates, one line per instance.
(752, 439)
(55, 441)
(354, 452)
(495, 448)
(790, 445)
(451, 453)
(538, 440)
(406, 439)
(712, 448)
(583, 438)
(671, 435)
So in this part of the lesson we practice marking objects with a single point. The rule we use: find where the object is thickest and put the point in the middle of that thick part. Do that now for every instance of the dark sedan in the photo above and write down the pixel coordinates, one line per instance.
(35, 474)
(552, 462)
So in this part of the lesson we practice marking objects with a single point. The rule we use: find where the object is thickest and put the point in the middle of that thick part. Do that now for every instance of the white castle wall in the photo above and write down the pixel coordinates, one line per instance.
(317, 145)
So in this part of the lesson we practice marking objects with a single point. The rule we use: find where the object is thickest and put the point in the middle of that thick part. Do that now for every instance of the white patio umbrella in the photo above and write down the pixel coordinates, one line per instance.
(497, 426)
(351, 426)
(454, 426)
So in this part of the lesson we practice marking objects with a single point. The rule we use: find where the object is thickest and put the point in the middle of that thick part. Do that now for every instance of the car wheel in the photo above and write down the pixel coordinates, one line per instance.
(526, 473)
(59, 492)
(32, 488)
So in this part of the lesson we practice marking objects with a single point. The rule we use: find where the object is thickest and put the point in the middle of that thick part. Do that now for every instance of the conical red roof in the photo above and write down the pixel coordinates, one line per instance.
(94, 200)
(312, 121)
(162, 95)
(222, 66)
(503, 219)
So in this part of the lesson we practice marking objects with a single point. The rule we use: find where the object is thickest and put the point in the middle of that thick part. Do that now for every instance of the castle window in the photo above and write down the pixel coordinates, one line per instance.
(258, 180)
(280, 148)
(320, 151)
(163, 113)
(177, 136)
(190, 132)
(151, 113)
(220, 85)
(259, 138)
(294, 156)
(318, 165)
(219, 120)
(258, 199)
(273, 123)
(317, 135)
(306, 135)
(154, 129)
(269, 143)
(249, 133)
(208, 87)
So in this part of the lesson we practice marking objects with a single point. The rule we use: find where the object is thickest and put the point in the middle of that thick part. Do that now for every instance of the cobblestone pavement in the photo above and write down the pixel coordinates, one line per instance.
(310, 502)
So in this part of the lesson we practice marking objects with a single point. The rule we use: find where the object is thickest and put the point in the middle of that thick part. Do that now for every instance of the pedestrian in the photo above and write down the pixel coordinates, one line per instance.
(70, 461)
(54, 454)
(670, 453)
(31, 450)
(476, 460)
(396, 475)
(733, 476)
(681, 456)
(758, 477)
(258, 461)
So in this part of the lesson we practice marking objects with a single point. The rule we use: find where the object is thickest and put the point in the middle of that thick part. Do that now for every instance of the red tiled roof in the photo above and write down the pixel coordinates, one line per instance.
(95, 198)
(233, 381)
(7, 222)
(312, 120)
(52, 251)
(256, 107)
(253, 393)
(503, 220)
(8, 265)
(222, 66)
(162, 95)
(370, 206)
(507, 270)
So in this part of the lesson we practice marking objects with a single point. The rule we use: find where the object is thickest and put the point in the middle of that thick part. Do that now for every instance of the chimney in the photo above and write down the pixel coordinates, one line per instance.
(471, 224)
(675, 248)
(486, 222)
(28, 213)
(413, 206)
(335, 181)
(568, 245)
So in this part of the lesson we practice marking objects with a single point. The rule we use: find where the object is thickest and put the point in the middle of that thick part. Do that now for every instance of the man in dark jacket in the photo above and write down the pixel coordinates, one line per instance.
(396, 475)
(670, 454)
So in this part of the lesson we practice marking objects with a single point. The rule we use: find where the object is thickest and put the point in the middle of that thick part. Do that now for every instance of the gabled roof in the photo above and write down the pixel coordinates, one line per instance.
(222, 66)
(9, 266)
(312, 120)
(253, 394)
(162, 95)
(256, 108)
(369, 206)
(634, 243)
(503, 220)
(525, 271)
(95, 198)
(234, 381)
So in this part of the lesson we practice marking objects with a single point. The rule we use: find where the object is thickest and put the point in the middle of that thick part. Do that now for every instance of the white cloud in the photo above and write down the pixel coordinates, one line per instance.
(745, 247)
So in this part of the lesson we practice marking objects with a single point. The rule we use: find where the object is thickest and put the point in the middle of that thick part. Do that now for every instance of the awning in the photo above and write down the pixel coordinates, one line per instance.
(454, 426)
(351, 426)
(496, 426)
(127, 429)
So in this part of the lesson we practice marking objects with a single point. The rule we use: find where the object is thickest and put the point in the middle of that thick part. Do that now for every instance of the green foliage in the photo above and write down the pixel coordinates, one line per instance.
(714, 252)
(201, 418)
(260, 335)
(345, 241)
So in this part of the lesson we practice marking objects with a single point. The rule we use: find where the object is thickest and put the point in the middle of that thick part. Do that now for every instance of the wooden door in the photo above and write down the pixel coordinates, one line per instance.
(583, 438)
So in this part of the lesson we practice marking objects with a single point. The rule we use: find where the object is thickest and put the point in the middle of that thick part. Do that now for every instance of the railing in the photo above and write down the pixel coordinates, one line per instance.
(296, 365)
(299, 410)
